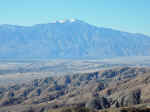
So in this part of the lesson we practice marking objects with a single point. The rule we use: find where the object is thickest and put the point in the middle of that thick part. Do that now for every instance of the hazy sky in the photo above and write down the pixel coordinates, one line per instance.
(127, 15)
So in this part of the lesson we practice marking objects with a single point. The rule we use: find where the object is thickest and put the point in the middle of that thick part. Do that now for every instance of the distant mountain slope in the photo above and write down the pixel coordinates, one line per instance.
(69, 39)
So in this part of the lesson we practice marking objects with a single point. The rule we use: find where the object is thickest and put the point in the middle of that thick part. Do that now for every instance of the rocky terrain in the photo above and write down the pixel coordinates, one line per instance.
(22, 71)
(94, 91)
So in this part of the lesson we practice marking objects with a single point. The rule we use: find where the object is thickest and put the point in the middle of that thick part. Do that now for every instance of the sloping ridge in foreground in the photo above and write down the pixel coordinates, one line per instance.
(113, 88)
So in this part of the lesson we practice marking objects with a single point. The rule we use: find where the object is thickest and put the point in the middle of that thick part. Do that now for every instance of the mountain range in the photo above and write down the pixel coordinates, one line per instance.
(69, 39)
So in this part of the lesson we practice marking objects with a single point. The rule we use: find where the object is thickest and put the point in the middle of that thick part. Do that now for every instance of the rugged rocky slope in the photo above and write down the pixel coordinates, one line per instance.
(69, 39)
(113, 88)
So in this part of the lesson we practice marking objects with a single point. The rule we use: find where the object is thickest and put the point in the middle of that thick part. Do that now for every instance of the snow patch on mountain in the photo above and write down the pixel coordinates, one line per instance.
(64, 21)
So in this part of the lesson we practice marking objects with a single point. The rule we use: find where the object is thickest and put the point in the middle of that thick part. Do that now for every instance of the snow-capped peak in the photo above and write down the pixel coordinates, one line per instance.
(62, 21)
(72, 20)
(65, 21)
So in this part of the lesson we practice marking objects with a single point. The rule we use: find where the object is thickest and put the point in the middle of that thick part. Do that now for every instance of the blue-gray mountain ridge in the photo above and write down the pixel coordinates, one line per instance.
(69, 39)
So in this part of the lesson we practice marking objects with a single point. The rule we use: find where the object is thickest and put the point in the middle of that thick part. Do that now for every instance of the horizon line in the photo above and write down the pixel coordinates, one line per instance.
(62, 21)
